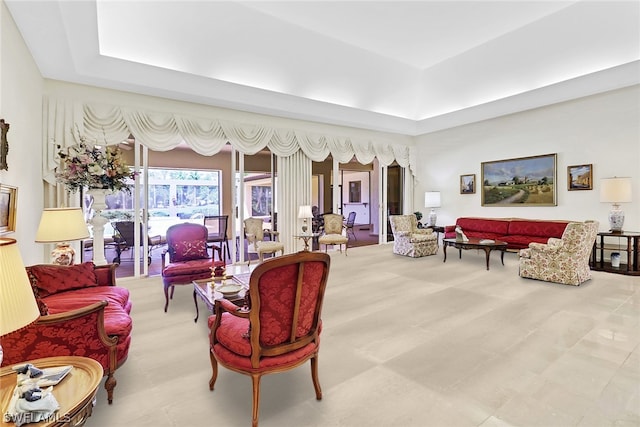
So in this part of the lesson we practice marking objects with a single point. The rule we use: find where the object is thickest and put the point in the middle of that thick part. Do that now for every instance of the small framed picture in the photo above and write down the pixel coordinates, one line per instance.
(8, 205)
(468, 184)
(580, 177)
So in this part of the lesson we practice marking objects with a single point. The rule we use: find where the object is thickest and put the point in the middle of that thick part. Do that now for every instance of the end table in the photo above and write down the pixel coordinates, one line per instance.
(75, 393)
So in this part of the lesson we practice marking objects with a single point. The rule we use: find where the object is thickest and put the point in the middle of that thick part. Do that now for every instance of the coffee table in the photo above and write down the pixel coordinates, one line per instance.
(206, 290)
(473, 243)
(75, 394)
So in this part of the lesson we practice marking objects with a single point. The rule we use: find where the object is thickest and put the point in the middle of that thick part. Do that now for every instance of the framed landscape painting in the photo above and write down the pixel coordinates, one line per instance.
(468, 184)
(524, 181)
(8, 204)
(580, 177)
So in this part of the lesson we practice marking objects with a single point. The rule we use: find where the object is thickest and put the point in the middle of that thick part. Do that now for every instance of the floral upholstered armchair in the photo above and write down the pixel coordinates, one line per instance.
(410, 240)
(564, 260)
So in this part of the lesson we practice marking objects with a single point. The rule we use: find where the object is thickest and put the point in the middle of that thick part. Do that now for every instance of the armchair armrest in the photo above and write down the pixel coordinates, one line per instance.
(274, 234)
(227, 306)
(423, 231)
(77, 332)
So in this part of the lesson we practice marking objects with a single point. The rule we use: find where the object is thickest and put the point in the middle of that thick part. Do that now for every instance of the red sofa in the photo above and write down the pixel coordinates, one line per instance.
(517, 232)
(82, 312)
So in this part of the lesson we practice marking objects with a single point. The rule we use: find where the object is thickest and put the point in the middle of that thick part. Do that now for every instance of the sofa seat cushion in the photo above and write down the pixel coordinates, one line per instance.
(184, 268)
(117, 321)
(522, 242)
(51, 279)
(485, 225)
(544, 229)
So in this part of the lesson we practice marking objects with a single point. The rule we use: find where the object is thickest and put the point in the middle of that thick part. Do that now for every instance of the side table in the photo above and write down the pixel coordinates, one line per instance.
(306, 237)
(75, 394)
(627, 242)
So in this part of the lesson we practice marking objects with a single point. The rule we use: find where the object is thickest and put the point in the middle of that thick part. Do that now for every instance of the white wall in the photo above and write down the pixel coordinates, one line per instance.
(363, 207)
(603, 130)
(21, 106)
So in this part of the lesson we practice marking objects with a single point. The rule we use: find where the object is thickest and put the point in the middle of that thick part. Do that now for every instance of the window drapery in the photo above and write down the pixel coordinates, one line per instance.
(65, 120)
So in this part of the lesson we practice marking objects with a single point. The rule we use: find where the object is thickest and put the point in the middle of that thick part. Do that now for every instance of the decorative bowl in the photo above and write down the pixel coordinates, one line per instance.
(229, 290)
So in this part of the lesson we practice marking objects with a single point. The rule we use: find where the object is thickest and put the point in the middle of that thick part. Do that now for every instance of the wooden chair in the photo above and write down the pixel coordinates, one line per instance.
(333, 232)
(288, 292)
(188, 257)
(256, 243)
(217, 227)
(124, 240)
(351, 221)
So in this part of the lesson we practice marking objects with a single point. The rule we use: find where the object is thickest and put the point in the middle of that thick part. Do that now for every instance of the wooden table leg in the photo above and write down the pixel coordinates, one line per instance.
(487, 251)
(195, 301)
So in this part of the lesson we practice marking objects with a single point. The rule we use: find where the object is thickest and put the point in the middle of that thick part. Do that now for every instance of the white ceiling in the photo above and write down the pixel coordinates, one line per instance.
(407, 67)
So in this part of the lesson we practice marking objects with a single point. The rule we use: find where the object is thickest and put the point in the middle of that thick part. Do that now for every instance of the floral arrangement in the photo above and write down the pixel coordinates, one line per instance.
(92, 166)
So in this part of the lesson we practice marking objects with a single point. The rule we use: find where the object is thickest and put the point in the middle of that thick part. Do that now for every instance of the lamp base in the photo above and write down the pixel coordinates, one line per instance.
(616, 218)
(432, 218)
(63, 254)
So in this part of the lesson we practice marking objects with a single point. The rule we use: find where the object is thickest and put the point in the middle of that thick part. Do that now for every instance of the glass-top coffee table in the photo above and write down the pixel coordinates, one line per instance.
(206, 289)
(486, 245)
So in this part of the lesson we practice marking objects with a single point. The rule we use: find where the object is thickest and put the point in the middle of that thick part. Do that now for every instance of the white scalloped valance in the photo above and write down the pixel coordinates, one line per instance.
(162, 131)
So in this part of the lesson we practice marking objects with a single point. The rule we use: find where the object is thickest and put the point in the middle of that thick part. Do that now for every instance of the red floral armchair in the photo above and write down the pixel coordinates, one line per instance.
(279, 327)
(188, 257)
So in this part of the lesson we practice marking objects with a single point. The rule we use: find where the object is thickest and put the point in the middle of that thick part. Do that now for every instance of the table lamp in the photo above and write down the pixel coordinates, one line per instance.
(615, 190)
(62, 225)
(18, 307)
(304, 212)
(432, 200)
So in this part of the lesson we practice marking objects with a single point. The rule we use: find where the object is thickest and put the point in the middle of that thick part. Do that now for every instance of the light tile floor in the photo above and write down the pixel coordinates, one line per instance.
(406, 342)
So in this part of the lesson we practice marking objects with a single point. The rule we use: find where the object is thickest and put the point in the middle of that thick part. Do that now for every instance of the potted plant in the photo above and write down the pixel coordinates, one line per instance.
(418, 215)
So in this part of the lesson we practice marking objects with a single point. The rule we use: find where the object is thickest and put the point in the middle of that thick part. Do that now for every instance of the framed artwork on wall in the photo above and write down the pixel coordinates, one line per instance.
(580, 177)
(524, 181)
(261, 200)
(8, 206)
(468, 184)
(355, 195)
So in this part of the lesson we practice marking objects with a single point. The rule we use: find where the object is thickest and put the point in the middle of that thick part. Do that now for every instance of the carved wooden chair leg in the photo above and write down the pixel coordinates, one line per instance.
(109, 385)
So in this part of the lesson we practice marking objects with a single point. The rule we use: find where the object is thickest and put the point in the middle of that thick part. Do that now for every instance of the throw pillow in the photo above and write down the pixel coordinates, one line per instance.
(51, 279)
(188, 250)
(42, 306)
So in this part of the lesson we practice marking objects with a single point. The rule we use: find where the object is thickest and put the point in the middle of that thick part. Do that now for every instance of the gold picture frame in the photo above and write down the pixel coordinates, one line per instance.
(468, 184)
(580, 177)
(8, 206)
(524, 181)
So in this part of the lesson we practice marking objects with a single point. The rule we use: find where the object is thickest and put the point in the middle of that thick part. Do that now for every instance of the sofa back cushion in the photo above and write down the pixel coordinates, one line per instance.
(50, 279)
(537, 228)
(486, 225)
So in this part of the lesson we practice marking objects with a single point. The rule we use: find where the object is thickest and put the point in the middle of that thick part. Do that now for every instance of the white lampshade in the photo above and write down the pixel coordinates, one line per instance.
(61, 225)
(305, 212)
(18, 307)
(432, 199)
(615, 190)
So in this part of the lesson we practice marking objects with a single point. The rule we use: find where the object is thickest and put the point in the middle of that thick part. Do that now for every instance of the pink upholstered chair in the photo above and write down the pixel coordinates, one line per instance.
(280, 328)
(188, 257)
(564, 260)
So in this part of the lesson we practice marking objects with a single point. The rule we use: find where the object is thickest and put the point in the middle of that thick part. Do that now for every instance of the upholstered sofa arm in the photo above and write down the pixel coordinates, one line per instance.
(106, 274)
(77, 332)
